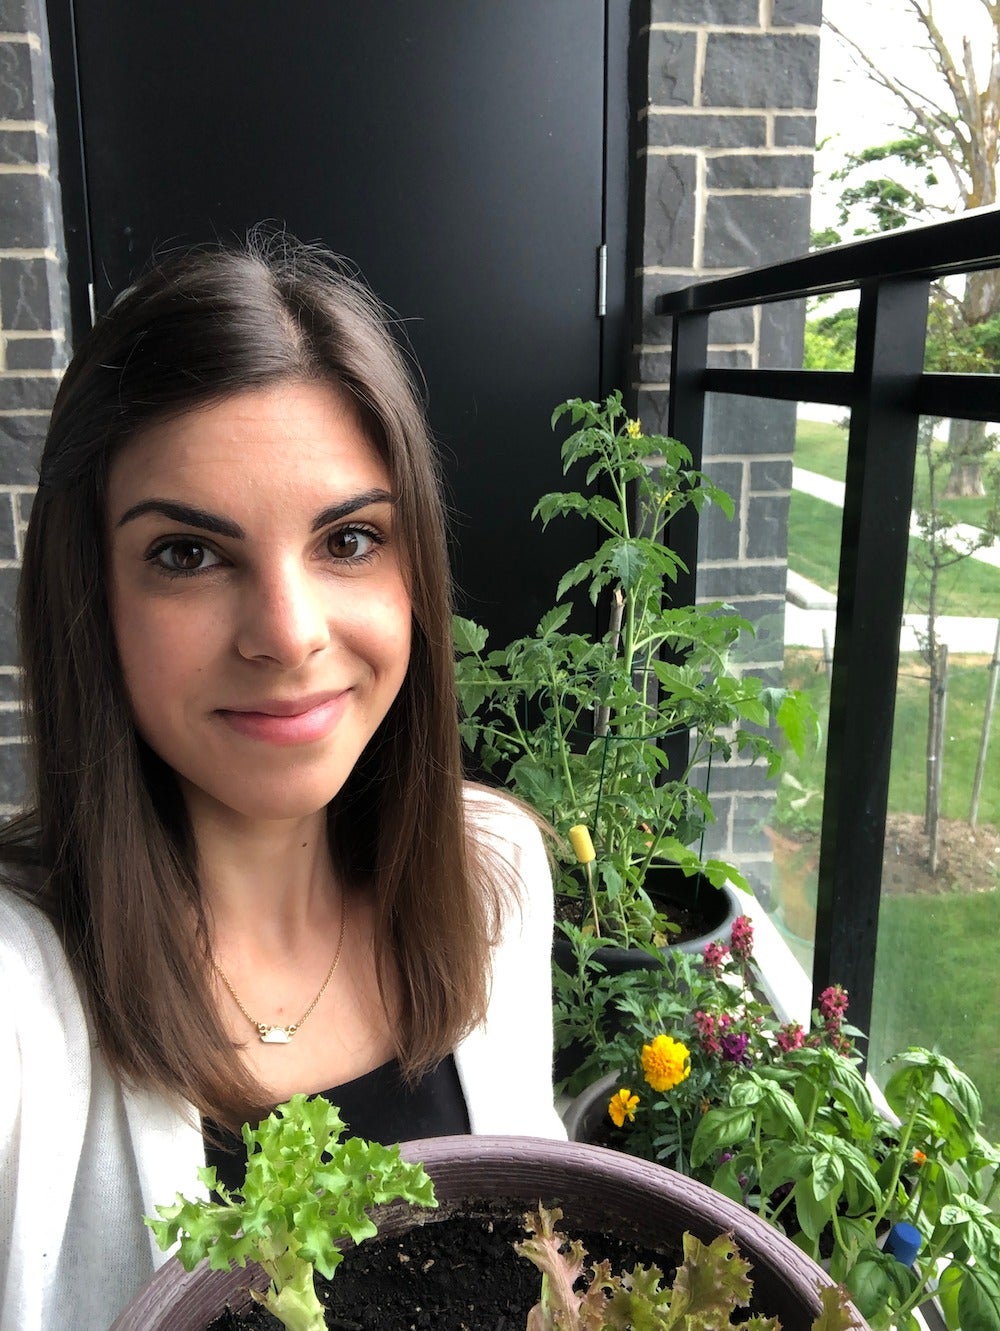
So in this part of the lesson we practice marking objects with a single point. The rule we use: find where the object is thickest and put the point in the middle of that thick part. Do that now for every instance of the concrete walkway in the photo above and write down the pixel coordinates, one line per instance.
(810, 610)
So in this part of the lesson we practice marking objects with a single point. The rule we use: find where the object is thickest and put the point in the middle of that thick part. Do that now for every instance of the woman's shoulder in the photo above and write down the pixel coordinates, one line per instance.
(496, 813)
(37, 983)
(505, 828)
(25, 930)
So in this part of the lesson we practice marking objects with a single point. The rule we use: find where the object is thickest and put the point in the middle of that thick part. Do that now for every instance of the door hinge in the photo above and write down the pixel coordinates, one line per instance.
(602, 281)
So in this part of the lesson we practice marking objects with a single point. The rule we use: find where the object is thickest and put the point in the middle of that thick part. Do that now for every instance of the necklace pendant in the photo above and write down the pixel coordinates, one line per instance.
(274, 1034)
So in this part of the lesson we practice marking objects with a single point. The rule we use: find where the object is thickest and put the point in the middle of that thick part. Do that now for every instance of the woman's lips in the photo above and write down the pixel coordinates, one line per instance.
(288, 722)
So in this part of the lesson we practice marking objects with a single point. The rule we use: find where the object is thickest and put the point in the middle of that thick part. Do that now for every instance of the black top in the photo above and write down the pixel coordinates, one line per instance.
(378, 1106)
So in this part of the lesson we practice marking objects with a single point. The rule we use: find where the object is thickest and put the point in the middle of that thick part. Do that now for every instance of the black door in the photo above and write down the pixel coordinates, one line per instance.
(455, 151)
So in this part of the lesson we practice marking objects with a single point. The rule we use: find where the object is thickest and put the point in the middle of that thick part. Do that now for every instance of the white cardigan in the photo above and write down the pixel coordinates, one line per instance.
(82, 1159)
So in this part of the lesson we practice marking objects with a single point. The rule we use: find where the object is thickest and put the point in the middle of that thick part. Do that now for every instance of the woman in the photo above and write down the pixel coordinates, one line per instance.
(252, 867)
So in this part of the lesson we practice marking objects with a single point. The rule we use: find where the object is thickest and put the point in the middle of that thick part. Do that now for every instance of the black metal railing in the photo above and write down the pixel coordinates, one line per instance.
(886, 393)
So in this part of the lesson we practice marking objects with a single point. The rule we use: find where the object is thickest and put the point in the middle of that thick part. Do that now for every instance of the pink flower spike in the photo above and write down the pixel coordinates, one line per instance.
(833, 1005)
(715, 957)
(791, 1036)
(741, 938)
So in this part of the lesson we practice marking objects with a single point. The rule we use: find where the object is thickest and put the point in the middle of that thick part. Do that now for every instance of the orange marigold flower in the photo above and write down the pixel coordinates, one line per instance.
(622, 1106)
(665, 1062)
(919, 1158)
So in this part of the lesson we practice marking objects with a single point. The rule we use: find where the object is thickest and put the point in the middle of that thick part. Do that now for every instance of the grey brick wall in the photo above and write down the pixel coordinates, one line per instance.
(32, 325)
(725, 160)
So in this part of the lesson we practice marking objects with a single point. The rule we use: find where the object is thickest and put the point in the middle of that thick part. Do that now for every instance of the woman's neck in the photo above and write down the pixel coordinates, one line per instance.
(265, 885)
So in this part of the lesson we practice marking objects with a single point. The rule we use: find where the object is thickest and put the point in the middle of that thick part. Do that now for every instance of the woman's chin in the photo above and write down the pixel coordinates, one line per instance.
(263, 803)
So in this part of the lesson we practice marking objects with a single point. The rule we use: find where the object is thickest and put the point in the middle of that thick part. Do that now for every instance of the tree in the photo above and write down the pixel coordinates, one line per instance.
(941, 546)
(951, 134)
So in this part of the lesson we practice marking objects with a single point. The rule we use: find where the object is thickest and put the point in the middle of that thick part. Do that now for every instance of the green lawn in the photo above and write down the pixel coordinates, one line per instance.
(968, 588)
(937, 984)
(823, 448)
(967, 685)
(963, 727)
(937, 981)
(814, 539)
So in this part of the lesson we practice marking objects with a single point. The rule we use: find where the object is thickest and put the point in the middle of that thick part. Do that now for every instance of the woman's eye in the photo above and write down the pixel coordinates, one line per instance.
(352, 543)
(184, 557)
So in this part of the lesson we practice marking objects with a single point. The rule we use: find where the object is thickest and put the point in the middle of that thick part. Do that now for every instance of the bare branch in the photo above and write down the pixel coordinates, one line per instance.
(964, 97)
(927, 123)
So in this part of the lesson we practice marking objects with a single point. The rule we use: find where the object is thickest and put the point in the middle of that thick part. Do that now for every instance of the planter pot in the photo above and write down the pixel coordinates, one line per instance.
(586, 1112)
(719, 908)
(596, 1189)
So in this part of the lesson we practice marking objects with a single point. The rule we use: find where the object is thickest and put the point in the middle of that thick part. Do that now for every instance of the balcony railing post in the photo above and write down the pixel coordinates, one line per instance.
(874, 548)
(686, 422)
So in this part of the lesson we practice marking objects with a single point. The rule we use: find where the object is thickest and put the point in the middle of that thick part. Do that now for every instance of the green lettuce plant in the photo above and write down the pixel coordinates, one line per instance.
(306, 1191)
(712, 1286)
(575, 724)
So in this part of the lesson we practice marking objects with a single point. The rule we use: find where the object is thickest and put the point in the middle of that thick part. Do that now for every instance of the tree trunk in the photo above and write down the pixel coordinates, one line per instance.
(967, 449)
(940, 700)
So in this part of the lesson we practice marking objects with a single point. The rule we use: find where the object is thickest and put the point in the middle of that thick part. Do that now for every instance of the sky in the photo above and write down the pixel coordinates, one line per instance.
(854, 113)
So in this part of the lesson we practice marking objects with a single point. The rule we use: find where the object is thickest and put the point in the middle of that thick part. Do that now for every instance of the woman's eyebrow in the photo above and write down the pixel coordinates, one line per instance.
(347, 506)
(219, 526)
(186, 514)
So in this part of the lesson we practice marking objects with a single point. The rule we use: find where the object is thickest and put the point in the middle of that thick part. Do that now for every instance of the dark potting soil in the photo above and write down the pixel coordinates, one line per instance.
(689, 921)
(458, 1274)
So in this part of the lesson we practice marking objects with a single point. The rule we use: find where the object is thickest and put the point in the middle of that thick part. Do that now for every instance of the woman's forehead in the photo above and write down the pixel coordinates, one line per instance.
(281, 440)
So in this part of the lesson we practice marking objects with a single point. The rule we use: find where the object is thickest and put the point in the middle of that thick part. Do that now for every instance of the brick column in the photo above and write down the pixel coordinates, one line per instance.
(724, 172)
(33, 299)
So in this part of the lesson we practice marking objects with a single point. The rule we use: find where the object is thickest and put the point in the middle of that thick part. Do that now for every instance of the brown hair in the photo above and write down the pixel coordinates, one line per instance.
(109, 826)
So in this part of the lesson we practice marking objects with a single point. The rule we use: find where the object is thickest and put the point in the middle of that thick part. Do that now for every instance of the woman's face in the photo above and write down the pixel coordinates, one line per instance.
(258, 596)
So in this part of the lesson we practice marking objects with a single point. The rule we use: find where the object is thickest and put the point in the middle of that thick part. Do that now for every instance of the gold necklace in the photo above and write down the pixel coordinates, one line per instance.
(282, 1034)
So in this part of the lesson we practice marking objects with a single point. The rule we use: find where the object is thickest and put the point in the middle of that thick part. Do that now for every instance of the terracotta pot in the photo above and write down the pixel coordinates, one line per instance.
(595, 1188)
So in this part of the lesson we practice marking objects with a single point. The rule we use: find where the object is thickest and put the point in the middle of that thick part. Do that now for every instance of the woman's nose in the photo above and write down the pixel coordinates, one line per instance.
(284, 617)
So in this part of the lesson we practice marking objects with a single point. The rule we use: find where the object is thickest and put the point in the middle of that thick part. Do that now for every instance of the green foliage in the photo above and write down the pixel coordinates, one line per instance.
(712, 1285)
(892, 200)
(306, 1191)
(819, 1160)
(953, 345)
(830, 339)
(784, 1122)
(574, 725)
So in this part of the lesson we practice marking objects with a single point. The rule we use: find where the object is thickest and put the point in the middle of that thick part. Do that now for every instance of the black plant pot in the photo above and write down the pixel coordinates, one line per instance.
(586, 1112)
(668, 887)
(712, 911)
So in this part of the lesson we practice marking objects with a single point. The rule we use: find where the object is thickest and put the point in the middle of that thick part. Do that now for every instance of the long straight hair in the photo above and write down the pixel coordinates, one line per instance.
(109, 827)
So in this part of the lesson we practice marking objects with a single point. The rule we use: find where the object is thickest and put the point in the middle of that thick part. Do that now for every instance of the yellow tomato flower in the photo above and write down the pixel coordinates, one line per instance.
(666, 1062)
(583, 846)
(622, 1106)
(634, 429)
